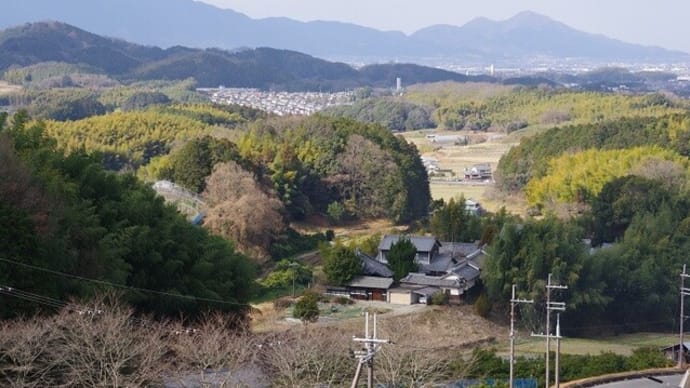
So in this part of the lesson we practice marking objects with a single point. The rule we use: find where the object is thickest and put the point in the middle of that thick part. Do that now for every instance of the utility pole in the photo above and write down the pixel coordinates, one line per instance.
(372, 345)
(513, 302)
(557, 378)
(683, 291)
(550, 306)
(293, 265)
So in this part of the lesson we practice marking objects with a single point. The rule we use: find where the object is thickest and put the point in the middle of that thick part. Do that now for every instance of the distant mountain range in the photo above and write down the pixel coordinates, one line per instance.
(263, 68)
(167, 23)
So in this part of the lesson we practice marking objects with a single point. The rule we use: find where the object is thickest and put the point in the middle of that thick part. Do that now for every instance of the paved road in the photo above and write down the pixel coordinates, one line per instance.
(664, 381)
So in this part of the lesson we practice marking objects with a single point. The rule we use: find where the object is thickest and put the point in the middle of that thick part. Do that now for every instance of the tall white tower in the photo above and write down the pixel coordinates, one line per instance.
(398, 84)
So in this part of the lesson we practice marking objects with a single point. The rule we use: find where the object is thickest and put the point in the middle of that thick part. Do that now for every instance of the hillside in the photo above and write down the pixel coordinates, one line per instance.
(263, 68)
(195, 24)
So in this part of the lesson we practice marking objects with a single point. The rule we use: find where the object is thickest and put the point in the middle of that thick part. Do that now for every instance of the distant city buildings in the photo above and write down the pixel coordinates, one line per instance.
(279, 103)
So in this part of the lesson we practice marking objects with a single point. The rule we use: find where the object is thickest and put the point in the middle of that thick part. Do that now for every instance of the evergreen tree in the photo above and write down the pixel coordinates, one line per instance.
(341, 264)
(401, 258)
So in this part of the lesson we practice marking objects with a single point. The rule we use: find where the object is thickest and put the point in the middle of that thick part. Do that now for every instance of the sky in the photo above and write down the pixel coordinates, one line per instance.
(662, 23)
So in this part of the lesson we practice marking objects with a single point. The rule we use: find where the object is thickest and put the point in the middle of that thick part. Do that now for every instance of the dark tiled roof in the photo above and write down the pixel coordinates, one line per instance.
(427, 291)
(467, 271)
(423, 244)
(373, 267)
(371, 282)
(675, 346)
(424, 280)
(439, 263)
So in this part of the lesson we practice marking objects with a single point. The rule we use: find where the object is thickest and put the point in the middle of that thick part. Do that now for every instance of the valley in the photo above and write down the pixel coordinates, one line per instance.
(192, 213)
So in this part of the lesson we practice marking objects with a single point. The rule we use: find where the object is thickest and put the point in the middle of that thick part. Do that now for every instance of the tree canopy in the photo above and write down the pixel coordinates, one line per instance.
(401, 258)
(67, 214)
(341, 264)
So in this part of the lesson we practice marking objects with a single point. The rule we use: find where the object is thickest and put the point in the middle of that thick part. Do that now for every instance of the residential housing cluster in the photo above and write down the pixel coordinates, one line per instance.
(279, 103)
(450, 268)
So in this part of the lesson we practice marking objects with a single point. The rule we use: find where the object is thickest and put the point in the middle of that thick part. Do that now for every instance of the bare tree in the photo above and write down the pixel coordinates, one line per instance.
(669, 173)
(309, 356)
(26, 353)
(106, 346)
(228, 182)
(406, 362)
(216, 352)
(242, 210)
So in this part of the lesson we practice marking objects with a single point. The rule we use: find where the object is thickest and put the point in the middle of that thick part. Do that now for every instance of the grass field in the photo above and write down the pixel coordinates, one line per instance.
(622, 344)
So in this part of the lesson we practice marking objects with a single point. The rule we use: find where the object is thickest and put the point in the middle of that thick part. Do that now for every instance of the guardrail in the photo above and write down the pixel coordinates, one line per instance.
(614, 377)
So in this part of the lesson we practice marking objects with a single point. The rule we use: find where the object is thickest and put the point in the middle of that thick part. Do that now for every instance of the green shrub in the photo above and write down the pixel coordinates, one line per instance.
(482, 306)
(307, 308)
(439, 298)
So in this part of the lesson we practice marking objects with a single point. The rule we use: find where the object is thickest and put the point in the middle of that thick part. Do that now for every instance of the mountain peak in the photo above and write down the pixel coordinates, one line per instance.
(194, 24)
(530, 17)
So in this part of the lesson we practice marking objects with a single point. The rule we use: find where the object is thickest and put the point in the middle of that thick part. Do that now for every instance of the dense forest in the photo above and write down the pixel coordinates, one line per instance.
(298, 167)
(623, 239)
(72, 229)
(392, 113)
(534, 156)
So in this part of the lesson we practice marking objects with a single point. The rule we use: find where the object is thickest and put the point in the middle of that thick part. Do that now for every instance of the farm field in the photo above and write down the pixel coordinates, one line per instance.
(483, 148)
(8, 88)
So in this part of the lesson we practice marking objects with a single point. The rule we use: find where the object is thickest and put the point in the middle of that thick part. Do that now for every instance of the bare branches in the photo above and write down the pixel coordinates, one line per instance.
(105, 346)
(404, 363)
(309, 356)
(25, 353)
(214, 354)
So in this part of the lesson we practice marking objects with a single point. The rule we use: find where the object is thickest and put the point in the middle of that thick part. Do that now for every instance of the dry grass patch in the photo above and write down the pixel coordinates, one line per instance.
(7, 88)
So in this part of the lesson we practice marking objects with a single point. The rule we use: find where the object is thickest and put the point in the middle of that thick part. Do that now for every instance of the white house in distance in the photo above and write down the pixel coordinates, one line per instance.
(481, 171)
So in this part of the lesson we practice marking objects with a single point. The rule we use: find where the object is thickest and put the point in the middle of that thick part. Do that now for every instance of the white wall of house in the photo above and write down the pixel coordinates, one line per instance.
(400, 297)
(454, 291)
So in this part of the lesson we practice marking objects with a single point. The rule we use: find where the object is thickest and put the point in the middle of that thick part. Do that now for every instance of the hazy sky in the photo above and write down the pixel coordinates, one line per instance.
(663, 23)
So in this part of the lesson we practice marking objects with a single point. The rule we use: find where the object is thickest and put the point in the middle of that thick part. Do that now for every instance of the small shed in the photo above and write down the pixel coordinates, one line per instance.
(402, 295)
(672, 352)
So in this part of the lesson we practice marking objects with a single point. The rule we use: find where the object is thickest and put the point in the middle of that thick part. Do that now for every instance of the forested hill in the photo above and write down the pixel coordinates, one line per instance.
(65, 220)
(258, 68)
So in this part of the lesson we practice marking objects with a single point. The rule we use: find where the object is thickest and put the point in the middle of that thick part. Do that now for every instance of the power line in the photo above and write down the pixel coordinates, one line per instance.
(45, 300)
(9, 291)
(106, 283)
(59, 304)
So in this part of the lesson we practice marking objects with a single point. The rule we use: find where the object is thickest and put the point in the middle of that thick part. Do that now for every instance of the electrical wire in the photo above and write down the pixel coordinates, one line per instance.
(106, 283)
(35, 298)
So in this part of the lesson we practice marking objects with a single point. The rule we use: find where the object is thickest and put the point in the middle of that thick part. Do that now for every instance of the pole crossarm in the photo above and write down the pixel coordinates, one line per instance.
(551, 306)
(366, 357)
